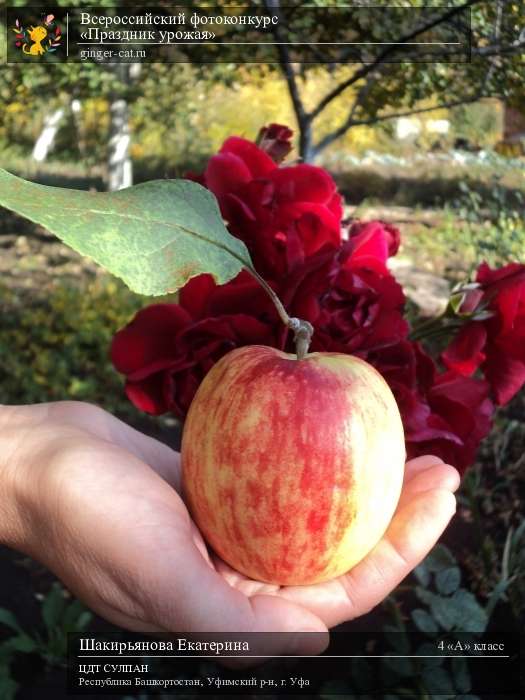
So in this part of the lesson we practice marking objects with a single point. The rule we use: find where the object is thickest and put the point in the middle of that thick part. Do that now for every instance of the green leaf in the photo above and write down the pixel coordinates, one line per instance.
(461, 675)
(439, 558)
(76, 618)
(53, 607)
(422, 574)
(520, 531)
(437, 681)
(497, 593)
(443, 610)
(72, 613)
(455, 302)
(22, 643)
(7, 618)
(424, 622)
(8, 686)
(155, 236)
(424, 595)
(470, 616)
(83, 621)
(448, 580)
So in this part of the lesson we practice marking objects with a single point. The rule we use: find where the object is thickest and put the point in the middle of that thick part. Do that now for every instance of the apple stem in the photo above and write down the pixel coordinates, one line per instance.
(302, 330)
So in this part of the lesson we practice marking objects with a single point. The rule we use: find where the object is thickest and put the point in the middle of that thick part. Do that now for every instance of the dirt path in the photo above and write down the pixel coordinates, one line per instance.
(32, 259)
(429, 291)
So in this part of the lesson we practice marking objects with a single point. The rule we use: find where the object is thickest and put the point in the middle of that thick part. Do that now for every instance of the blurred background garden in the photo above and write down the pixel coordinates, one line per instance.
(448, 171)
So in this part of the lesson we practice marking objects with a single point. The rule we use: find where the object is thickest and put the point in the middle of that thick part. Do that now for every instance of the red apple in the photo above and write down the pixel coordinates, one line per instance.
(292, 469)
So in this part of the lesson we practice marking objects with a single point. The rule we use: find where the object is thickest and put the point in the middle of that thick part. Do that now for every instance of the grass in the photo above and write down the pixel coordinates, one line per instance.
(453, 248)
(423, 184)
(56, 345)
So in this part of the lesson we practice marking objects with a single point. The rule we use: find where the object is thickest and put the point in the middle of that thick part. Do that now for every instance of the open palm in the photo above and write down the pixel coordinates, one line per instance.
(111, 523)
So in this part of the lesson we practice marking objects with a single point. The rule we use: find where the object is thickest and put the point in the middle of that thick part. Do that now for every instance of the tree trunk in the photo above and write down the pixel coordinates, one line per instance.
(120, 168)
(306, 146)
(45, 141)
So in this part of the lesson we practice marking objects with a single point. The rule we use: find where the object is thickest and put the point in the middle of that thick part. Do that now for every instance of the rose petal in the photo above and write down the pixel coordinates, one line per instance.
(150, 337)
(258, 163)
(464, 354)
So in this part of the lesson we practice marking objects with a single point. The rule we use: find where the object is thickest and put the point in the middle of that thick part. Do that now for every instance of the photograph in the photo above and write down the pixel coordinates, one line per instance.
(262, 349)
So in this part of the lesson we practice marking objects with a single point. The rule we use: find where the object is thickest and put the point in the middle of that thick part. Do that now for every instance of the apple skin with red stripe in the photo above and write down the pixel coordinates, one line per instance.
(292, 469)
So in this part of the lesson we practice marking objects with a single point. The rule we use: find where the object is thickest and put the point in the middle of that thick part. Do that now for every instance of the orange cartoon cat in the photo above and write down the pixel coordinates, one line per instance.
(37, 35)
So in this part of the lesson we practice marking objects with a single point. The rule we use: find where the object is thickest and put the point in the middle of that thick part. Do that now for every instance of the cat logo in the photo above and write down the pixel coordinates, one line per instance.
(36, 41)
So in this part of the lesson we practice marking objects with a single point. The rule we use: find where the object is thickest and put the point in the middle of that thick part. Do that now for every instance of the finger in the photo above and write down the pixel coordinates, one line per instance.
(235, 579)
(210, 604)
(413, 532)
(438, 476)
(419, 464)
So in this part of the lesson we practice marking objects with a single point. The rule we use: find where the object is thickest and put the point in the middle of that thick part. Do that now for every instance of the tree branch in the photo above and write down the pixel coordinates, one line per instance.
(330, 138)
(497, 49)
(361, 95)
(362, 72)
(289, 73)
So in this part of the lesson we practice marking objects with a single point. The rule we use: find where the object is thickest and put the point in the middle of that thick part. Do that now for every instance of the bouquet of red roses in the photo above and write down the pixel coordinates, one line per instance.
(333, 274)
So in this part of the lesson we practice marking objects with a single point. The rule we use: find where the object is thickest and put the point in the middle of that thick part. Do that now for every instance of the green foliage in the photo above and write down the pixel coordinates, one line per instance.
(450, 607)
(60, 617)
(479, 124)
(174, 107)
(8, 687)
(447, 609)
(55, 347)
(482, 221)
(495, 225)
(414, 668)
(155, 236)
(490, 498)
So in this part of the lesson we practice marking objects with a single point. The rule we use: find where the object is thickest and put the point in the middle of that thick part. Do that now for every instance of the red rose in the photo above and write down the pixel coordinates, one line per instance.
(201, 346)
(290, 219)
(275, 140)
(355, 306)
(496, 344)
(283, 215)
(443, 414)
(465, 354)
(202, 298)
(167, 349)
(145, 350)
(376, 240)
(165, 353)
(238, 162)
(460, 417)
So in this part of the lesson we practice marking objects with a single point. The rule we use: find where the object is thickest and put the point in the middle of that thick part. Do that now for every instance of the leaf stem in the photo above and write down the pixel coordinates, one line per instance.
(480, 528)
(441, 325)
(303, 330)
(283, 315)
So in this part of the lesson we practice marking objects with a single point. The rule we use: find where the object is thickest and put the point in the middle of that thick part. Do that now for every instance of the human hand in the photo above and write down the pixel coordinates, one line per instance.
(99, 504)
